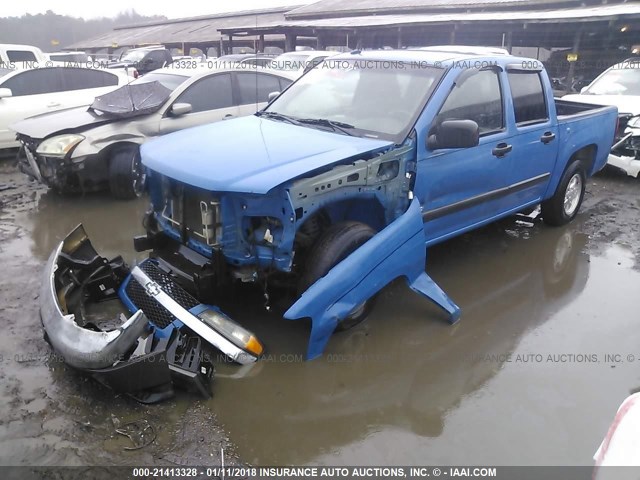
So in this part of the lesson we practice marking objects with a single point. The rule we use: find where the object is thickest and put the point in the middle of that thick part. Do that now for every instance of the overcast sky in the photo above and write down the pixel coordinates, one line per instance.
(110, 8)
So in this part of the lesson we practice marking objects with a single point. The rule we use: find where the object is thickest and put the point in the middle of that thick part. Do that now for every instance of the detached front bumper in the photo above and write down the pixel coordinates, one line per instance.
(79, 346)
(160, 346)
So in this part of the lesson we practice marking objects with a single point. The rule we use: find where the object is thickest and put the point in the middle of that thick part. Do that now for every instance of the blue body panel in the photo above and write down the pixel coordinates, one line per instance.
(249, 154)
(396, 251)
(256, 163)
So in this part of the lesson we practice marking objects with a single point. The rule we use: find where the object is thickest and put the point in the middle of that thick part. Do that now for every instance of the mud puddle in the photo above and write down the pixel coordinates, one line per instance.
(523, 378)
(547, 348)
(50, 414)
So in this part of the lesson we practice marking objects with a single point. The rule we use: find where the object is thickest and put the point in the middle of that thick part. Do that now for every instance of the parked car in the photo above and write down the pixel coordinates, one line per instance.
(144, 59)
(300, 61)
(24, 93)
(332, 197)
(619, 85)
(21, 56)
(85, 149)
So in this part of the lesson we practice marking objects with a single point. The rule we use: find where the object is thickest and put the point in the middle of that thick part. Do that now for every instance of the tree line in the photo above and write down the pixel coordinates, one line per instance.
(52, 32)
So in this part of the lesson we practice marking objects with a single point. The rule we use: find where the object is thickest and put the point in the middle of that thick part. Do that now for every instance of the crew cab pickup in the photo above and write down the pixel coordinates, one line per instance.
(344, 180)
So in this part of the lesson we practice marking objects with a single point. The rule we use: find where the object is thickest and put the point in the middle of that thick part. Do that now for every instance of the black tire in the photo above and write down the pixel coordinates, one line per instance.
(565, 203)
(126, 174)
(333, 246)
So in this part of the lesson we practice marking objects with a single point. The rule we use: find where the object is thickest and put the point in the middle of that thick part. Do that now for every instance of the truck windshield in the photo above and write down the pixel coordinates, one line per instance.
(617, 81)
(370, 98)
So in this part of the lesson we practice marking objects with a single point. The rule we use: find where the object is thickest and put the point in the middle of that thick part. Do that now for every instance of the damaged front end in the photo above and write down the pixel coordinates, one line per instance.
(164, 344)
(625, 152)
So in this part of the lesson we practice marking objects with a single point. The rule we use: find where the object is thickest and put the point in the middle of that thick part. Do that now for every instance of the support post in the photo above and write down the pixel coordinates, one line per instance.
(572, 65)
(230, 44)
(508, 41)
(290, 42)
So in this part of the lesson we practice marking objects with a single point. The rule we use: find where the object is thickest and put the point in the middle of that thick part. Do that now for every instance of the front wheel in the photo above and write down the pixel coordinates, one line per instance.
(565, 203)
(336, 244)
(126, 174)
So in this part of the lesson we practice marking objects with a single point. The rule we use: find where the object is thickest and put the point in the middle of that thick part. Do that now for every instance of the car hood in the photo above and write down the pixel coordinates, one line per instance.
(75, 119)
(625, 103)
(250, 154)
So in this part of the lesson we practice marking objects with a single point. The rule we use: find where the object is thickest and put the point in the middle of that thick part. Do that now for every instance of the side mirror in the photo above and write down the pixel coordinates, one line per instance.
(272, 96)
(584, 89)
(454, 134)
(5, 93)
(180, 109)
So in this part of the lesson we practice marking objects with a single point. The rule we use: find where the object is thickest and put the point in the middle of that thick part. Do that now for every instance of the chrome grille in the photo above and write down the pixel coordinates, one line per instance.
(156, 313)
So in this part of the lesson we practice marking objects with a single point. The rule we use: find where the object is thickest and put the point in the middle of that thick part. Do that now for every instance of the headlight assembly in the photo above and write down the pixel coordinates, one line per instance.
(59, 146)
(232, 331)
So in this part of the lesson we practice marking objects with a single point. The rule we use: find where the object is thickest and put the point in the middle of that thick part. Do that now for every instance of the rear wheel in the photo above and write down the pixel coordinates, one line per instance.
(336, 244)
(565, 203)
(126, 174)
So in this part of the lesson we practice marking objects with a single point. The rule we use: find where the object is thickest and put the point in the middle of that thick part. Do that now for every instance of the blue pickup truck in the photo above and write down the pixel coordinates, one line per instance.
(345, 179)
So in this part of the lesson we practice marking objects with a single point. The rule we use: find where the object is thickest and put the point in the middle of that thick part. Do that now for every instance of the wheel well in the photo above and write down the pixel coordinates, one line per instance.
(365, 210)
(107, 152)
(587, 156)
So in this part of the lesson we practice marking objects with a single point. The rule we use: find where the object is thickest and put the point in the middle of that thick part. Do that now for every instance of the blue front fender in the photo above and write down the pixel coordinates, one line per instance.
(397, 251)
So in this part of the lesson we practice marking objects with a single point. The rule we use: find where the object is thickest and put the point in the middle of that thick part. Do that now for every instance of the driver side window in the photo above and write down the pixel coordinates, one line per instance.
(476, 96)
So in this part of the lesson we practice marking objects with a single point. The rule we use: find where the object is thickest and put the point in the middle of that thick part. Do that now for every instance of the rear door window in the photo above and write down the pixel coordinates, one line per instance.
(81, 78)
(35, 82)
(529, 102)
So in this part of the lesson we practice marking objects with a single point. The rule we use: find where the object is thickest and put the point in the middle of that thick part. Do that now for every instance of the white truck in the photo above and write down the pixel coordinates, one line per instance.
(13, 57)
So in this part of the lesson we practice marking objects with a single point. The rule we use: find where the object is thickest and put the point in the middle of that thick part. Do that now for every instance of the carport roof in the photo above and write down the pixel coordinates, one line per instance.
(185, 30)
(583, 14)
(326, 8)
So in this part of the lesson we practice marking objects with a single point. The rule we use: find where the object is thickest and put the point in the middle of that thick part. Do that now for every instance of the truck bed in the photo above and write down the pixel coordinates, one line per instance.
(567, 108)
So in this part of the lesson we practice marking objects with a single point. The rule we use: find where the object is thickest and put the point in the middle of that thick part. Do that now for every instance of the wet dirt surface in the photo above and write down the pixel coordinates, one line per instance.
(50, 414)
(522, 379)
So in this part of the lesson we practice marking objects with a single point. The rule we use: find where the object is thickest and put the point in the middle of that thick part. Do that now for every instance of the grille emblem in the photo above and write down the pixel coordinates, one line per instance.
(152, 289)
